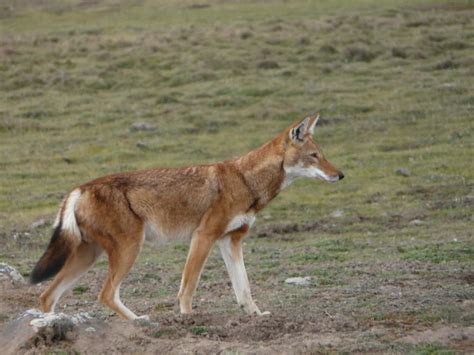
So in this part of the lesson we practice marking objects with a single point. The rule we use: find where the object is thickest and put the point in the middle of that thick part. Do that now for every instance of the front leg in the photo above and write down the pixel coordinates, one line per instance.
(231, 250)
(210, 229)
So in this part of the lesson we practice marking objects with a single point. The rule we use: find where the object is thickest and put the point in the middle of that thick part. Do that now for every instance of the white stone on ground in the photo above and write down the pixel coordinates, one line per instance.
(300, 281)
(7, 271)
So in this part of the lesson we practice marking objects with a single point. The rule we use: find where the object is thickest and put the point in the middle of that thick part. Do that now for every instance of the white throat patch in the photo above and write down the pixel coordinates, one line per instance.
(293, 172)
(240, 220)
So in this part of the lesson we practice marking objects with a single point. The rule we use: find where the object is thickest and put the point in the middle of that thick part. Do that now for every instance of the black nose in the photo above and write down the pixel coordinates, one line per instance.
(341, 176)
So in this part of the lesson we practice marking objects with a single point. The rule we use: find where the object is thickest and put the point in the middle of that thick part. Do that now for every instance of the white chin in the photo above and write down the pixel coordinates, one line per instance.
(328, 179)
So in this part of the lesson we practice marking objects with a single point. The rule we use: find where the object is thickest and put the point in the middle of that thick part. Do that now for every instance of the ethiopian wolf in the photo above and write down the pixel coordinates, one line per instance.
(203, 203)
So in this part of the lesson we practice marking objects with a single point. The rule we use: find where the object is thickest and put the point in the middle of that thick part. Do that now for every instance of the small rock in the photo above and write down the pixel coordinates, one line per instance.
(9, 272)
(141, 126)
(392, 291)
(416, 222)
(90, 330)
(246, 34)
(81, 317)
(50, 319)
(39, 223)
(300, 281)
(199, 6)
(304, 41)
(232, 323)
(142, 145)
(268, 64)
(337, 214)
(403, 172)
(145, 322)
(34, 328)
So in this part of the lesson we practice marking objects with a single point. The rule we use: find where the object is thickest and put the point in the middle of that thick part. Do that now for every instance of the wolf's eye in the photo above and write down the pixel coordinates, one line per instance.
(314, 155)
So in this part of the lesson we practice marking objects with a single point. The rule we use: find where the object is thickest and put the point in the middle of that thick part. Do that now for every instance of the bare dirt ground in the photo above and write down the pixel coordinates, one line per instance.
(420, 308)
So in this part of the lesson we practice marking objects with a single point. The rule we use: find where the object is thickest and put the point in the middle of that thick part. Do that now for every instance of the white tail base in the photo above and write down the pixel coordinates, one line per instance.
(69, 222)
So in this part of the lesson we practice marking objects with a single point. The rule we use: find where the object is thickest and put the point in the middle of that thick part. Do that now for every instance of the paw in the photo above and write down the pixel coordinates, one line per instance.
(253, 310)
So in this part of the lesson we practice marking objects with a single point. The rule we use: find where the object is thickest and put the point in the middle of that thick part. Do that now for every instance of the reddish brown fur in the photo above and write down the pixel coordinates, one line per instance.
(199, 202)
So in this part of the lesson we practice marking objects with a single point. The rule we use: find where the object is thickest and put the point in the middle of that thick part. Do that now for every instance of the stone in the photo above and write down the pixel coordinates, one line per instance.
(337, 214)
(8, 272)
(300, 281)
(416, 222)
(39, 223)
(34, 328)
(403, 172)
(392, 291)
(141, 145)
(141, 126)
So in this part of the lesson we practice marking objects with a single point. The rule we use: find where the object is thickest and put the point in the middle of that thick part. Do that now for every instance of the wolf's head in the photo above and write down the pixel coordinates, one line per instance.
(304, 157)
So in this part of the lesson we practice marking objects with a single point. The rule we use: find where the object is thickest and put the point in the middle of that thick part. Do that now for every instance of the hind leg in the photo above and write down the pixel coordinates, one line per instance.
(80, 261)
(121, 259)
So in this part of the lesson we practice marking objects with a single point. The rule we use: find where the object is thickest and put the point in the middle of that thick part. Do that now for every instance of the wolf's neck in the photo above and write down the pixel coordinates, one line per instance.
(263, 172)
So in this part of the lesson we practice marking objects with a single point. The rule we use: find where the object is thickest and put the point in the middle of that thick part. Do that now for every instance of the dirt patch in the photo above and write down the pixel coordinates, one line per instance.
(443, 335)
(321, 319)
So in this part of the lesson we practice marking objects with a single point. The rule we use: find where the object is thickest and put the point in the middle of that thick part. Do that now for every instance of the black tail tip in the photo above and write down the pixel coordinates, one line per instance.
(34, 278)
(53, 259)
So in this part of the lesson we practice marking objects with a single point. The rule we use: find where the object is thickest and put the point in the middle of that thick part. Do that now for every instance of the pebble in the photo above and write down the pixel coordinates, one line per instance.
(300, 281)
(39, 223)
(142, 126)
(337, 214)
(11, 273)
(403, 172)
(416, 222)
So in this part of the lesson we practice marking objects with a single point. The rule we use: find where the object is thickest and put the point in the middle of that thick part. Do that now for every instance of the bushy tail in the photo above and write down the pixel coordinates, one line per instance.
(65, 239)
(54, 257)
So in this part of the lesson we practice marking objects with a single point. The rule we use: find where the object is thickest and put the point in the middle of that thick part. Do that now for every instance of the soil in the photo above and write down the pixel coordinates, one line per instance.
(211, 330)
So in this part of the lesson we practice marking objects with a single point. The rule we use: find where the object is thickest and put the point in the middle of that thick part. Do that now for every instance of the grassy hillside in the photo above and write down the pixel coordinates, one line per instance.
(393, 81)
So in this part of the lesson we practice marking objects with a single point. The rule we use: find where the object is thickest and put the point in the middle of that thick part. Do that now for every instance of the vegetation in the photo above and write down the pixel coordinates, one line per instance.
(392, 80)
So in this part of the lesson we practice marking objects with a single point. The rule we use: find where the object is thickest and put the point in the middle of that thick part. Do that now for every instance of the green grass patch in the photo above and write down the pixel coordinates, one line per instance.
(79, 290)
(199, 330)
(433, 349)
(441, 252)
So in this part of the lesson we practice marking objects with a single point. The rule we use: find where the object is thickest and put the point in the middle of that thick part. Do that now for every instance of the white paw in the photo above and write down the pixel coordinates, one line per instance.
(253, 310)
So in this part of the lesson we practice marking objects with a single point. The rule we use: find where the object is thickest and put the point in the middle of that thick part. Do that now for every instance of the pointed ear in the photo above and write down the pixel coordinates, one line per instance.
(298, 131)
(312, 123)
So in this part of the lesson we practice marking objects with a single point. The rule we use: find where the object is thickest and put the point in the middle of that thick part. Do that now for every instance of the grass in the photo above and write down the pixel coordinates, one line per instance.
(432, 349)
(78, 290)
(393, 82)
